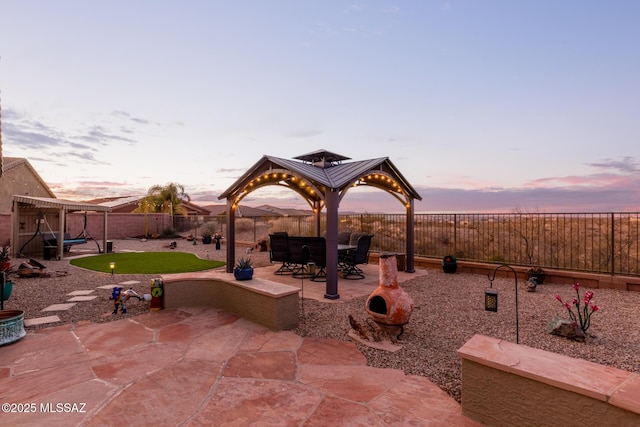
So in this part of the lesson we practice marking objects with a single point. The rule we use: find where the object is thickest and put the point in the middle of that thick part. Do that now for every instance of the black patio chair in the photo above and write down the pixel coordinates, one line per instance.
(279, 243)
(355, 257)
(318, 255)
(344, 237)
(299, 255)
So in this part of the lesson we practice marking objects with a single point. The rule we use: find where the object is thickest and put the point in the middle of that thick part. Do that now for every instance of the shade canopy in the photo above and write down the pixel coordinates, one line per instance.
(323, 178)
(62, 207)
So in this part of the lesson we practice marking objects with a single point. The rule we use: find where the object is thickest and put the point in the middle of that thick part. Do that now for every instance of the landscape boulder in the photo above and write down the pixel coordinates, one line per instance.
(566, 328)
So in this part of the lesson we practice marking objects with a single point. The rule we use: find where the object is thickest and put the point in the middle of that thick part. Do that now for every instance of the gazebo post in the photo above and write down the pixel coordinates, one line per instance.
(231, 236)
(411, 235)
(332, 201)
(316, 211)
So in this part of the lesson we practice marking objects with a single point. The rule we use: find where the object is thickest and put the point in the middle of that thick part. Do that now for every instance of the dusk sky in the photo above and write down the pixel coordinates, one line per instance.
(482, 105)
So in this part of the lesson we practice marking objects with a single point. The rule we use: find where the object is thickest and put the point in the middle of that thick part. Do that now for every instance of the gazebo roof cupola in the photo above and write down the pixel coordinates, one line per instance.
(322, 158)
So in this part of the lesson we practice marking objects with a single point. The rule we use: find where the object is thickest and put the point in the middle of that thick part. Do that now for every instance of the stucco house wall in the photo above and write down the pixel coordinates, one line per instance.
(18, 177)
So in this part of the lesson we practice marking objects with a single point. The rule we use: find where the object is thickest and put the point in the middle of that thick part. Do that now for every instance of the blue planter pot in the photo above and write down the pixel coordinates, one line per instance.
(8, 287)
(243, 274)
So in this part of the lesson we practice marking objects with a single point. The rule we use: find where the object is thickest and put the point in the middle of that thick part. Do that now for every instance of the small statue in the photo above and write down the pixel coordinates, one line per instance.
(532, 284)
(120, 298)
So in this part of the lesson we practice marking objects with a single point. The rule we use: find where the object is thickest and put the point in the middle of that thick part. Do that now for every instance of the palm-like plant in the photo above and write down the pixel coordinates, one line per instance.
(165, 199)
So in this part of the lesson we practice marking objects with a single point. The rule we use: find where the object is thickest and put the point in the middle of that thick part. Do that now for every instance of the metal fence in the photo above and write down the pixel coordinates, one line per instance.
(590, 242)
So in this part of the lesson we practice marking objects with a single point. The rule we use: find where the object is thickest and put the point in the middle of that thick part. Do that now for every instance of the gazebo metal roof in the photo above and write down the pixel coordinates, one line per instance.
(321, 173)
(322, 178)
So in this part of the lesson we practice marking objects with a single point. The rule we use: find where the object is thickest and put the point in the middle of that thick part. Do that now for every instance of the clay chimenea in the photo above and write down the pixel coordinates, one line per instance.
(389, 305)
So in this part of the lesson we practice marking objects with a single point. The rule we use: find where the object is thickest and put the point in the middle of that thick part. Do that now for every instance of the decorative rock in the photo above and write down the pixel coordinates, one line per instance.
(566, 328)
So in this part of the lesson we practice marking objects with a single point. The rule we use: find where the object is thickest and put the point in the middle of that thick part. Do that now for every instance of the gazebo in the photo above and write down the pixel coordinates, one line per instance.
(323, 178)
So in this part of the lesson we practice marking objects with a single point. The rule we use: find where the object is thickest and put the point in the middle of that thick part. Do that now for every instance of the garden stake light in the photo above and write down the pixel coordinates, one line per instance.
(491, 296)
(112, 266)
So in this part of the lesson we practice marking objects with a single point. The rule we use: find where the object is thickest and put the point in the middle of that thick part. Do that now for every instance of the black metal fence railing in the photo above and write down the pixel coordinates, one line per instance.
(590, 242)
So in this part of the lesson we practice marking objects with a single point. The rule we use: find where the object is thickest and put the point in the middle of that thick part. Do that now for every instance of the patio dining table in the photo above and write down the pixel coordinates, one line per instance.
(344, 248)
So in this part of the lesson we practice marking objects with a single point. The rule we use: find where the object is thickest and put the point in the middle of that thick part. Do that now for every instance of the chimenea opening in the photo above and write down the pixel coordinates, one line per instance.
(377, 304)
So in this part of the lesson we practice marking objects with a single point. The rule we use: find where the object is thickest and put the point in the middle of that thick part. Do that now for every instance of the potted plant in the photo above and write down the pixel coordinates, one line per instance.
(5, 258)
(206, 236)
(208, 230)
(11, 321)
(449, 264)
(536, 273)
(243, 269)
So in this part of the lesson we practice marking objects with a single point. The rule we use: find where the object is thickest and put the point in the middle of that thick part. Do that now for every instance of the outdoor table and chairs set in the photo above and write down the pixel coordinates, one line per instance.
(306, 257)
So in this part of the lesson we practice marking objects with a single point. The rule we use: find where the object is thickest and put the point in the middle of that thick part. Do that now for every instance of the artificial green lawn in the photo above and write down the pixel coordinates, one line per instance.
(146, 263)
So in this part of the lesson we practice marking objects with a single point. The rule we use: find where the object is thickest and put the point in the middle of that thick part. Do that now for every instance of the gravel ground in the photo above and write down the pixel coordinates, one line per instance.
(449, 310)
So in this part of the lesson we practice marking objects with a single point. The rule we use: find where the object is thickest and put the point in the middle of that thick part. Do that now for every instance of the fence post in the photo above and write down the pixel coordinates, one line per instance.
(455, 234)
(613, 245)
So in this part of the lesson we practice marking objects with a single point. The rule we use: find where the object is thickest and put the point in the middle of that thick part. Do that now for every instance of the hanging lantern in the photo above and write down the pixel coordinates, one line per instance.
(491, 300)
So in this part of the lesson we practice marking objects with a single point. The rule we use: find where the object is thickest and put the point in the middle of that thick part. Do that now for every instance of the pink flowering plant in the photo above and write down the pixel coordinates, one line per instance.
(584, 308)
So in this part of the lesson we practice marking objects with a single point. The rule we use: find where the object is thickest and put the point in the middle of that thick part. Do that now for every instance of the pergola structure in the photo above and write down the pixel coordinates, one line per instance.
(28, 209)
(323, 178)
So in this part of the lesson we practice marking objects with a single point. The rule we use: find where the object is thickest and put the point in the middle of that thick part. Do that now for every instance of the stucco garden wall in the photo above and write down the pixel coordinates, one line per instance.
(507, 384)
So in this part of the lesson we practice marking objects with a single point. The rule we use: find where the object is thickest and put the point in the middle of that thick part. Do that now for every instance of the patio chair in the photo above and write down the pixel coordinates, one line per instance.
(299, 255)
(318, 255)
(344, 237)
(279, 243)
(355, 257)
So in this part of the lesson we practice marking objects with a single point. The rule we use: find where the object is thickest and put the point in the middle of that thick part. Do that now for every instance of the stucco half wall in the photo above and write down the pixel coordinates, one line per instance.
(268, 303)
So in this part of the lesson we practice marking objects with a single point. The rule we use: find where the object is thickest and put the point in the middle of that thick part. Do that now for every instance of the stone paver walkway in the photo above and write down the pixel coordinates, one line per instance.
(204, 366)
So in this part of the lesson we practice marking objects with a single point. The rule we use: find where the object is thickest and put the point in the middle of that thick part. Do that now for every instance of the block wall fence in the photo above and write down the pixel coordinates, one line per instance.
(119, 225)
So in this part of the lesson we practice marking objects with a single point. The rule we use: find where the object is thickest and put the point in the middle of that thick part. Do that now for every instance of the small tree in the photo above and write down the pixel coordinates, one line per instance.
(165, 199)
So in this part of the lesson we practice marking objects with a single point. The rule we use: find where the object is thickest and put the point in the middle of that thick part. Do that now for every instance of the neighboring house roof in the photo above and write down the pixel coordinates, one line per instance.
(216, 209)
(13, 162)
(130, 203)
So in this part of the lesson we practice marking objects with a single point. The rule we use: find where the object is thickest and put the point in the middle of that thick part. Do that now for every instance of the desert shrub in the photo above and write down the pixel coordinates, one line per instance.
(244, 225)
(169, 232)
